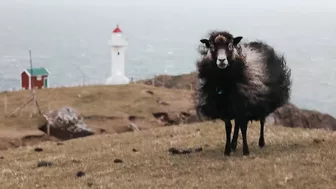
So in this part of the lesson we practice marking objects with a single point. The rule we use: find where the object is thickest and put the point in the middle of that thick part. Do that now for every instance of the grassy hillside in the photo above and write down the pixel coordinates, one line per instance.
(117, 101)
(292, 158)
(105, 108)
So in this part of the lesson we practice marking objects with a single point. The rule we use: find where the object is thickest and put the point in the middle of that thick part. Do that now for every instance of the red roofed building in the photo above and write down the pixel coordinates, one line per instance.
(35, 78)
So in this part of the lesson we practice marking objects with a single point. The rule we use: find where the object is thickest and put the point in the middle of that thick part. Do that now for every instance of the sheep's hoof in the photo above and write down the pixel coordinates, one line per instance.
(246, 153)
(227, 150)
(261, 143)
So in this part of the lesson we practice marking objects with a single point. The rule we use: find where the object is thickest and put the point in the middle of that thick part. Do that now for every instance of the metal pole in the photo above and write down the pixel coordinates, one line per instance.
(32, 84)
(31, 71)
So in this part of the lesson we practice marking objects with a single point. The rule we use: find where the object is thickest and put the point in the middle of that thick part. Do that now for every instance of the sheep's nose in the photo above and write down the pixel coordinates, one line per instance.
(221, 60)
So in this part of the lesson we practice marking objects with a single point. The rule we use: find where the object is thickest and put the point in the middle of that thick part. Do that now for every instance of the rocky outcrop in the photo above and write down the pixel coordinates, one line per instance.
(65, 124)
(174, 118)
(291, 116)
(288, 115)
(184, 81)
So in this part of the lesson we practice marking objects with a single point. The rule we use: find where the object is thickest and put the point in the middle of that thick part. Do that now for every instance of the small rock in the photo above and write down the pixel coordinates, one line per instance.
(186, 151)
(150, 92)
(171, 135)
(174, 151)
(198, 149)
(132, 117)
(44, 164)
(80, 174)
(59, 143)
(198, 130)
(162, 102)
(134, 150)
(38, 149)
(90, 184)
(75, 161)
(102, 130)
(1, 157)
(288, 178)
(316, 141)
(133, 127)
(118, 161)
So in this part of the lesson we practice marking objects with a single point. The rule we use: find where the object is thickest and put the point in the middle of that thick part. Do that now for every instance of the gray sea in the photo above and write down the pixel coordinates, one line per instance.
(70, 38)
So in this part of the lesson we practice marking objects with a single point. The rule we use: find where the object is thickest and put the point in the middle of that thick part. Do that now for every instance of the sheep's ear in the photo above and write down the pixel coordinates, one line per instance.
(206, 42)
(236, 40)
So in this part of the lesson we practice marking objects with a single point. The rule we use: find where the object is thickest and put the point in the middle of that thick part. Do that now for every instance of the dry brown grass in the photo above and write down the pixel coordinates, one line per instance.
(116, 101)
(106, 108)
(184, 81)
(292, 158)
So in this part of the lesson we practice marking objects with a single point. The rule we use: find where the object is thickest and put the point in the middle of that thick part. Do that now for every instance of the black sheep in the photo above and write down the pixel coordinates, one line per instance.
(242, 82)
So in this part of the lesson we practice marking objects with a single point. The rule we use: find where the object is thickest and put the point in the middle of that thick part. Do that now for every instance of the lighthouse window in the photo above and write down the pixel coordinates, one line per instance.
(118, 53)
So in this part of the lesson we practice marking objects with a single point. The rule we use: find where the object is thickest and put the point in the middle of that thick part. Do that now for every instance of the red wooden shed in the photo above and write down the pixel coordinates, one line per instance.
(36, 77)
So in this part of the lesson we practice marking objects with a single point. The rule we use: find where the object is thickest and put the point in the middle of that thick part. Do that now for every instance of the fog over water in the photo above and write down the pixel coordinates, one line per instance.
(69, 37)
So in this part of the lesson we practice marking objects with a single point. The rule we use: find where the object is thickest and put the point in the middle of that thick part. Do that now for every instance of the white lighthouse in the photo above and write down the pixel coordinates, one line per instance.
(118, 45)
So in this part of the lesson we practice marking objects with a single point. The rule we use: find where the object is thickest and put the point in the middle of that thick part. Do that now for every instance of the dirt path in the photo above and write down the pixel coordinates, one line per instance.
(13, 138)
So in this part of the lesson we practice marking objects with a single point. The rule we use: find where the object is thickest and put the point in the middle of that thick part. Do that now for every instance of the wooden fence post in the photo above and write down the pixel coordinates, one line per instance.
(48, 124)
(153, 82)
(5, 104)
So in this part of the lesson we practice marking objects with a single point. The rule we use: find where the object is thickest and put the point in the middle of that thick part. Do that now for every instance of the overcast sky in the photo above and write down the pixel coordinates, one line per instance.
(296, 4)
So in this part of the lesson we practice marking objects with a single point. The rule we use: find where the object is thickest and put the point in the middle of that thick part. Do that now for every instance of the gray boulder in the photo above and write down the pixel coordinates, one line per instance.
(65, 123)
(291, 116)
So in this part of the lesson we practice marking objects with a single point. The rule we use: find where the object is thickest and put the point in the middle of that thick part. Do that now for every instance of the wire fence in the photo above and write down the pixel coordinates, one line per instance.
(8, 104)
(21, 104)
(103, 100)
(155, 80)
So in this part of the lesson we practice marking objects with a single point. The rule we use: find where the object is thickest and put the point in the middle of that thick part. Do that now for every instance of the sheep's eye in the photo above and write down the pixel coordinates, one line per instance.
(230, 46)
(212, 47)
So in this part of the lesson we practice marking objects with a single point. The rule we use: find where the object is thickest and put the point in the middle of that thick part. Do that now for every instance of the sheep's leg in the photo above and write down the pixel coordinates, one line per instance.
(228, 128)
(235, 136)
(243, 128)
(261, 138)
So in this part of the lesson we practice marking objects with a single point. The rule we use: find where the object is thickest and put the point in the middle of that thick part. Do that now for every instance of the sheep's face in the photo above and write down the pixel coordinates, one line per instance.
(221, 49)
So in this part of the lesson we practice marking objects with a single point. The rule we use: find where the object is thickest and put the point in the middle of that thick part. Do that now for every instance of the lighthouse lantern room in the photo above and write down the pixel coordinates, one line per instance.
(118, 45)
